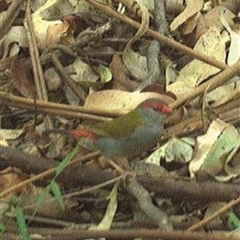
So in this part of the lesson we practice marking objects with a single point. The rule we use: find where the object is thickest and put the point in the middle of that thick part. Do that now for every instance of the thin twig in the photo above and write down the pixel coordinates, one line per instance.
(213, 83)
(36, 63)
(168, 41)
(67, 79)
(45, 174)
(9, 17)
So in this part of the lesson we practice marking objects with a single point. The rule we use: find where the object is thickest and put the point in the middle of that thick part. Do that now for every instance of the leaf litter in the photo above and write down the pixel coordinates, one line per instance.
(106, 69)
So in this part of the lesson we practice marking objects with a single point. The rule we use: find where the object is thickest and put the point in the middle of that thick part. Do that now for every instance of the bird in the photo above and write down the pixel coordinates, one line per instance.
(128, 135)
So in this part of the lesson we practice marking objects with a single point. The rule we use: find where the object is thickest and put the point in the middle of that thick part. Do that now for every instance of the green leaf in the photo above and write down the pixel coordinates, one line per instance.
(234, 220)
(21, 222)
(65, 161)
(57, 193)
(2, 228)
(105, 74)
(53, 186)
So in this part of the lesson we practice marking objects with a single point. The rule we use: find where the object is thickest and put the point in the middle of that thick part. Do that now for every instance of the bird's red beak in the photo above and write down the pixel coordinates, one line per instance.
(166, 109)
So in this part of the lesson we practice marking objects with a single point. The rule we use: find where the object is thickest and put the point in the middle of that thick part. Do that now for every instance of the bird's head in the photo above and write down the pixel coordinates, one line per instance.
(156, 105)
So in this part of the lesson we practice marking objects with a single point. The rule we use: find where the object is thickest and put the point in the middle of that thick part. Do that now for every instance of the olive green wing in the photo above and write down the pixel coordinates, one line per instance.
(120, 127)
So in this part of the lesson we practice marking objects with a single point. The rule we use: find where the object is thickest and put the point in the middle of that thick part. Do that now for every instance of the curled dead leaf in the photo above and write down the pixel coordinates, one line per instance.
(192, 7)
(57, 33)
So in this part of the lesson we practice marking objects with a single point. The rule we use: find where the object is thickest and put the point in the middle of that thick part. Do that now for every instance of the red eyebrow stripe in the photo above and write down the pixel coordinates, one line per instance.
(160, 107)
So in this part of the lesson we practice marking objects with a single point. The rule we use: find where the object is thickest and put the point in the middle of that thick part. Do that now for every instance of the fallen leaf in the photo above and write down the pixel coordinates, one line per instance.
(22, 77)
(116, 99)
(212, 43)
(192, 7)
(213, 148)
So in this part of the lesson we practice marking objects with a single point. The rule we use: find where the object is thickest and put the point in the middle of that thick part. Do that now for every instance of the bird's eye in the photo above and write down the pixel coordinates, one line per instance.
(157, 108)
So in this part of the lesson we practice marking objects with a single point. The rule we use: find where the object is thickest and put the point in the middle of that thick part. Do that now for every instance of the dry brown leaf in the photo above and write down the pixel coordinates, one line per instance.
(212, 43)
(212, 18)
(234, 49)
(121, 100)
(57, 10)
(17, 34)
(232, 5)
(81, 71)
(174, 6)
(50, 32)
(192, 7)
(135, 6)
(3, 141)
(57, 33)
(22, 77)
(40, 25)
(8, 51)
(190, 24)
(139, 70)
(10, 177)
(216, 146)
(222, 94)
(52, 79)
(120, 80)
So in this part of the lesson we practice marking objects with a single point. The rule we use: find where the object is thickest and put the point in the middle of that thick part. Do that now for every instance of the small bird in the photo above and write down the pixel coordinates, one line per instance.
(128, 135)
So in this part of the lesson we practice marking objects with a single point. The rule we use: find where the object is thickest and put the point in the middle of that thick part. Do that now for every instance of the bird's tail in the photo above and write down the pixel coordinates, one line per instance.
(82, 133)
